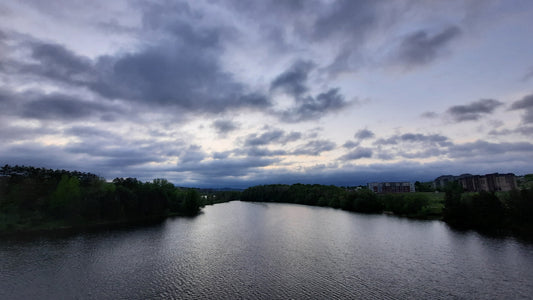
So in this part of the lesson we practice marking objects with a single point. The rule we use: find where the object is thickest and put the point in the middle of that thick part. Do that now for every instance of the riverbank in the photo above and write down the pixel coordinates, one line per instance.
(37, 199)
(422, 205)
(59, 226)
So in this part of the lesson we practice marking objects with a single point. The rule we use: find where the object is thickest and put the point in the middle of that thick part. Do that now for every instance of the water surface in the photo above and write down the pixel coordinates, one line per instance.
(269, 251)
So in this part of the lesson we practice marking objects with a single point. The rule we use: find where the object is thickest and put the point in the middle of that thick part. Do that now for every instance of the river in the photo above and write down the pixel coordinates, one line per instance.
(246, 250)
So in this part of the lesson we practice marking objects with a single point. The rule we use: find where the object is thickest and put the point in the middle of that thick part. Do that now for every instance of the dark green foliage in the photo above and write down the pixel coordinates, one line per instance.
(520, 206)
(410, 204)
(267, 193)
(364, 201)
(424, 186)
(64, 202)
(191, 202)
(360, 200)
(489, 211)
(34, 197)
(453, 207)
(316, 195)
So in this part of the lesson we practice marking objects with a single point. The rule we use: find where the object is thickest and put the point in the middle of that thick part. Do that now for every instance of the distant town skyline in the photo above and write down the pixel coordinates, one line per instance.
(239, 93)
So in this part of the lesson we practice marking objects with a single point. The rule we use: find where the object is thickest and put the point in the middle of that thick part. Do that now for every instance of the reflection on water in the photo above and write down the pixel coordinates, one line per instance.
(269, 251)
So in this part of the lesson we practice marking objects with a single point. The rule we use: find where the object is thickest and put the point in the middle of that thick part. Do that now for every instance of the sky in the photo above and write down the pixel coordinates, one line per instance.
(237, 93)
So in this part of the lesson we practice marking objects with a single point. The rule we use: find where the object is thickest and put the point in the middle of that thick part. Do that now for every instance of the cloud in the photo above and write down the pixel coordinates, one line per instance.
(89, 132)
(57, 62)
(182, 73)
(294, 80)
(10, 133)
(315, 147)
(36, 104)
(228, 168)
(313, 108)
(57, 106)
(263, 152)
(473, 111)
(429, 139)
(526, 104)
(358, 153)
(350, 144)
(185, 76)
(483, 149)
(429, 115)
(223, 127)
(346, 18)
(275, 136)
(364, 134)
(193, 154)
(523, 130)
(306, 107)
(419, 48)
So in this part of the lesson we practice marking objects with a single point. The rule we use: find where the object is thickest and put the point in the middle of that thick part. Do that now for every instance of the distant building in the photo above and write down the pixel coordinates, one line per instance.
(476, 183)
(391, 187)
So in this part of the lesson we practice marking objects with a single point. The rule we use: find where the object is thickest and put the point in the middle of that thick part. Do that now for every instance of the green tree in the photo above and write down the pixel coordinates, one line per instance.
(191, 203)
(65, 200)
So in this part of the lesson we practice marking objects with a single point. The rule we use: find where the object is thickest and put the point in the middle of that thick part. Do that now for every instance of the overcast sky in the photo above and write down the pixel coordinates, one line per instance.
(237, 93)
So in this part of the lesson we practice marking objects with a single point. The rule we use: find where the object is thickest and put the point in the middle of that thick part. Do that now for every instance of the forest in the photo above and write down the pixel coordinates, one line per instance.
(512, 210)
(37, 198)
(421, 205)
(495, 211)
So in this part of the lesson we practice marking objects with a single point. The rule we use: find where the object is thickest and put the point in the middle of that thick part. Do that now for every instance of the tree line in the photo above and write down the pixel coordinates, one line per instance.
(489, 210)
(512, 210)
(35, 198)
(358, 200)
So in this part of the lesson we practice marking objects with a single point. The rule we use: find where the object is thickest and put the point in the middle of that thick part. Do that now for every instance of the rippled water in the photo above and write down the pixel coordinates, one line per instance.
(269, 251)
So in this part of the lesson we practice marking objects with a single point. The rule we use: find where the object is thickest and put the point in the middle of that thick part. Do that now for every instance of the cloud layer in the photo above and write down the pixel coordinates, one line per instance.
(236, 93)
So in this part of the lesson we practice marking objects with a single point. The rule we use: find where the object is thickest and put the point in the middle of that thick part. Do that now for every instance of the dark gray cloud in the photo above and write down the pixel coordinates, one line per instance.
(61, 107)
(315, 147)
(294, 80)
(482, 148)
(364, 134)
(346, 18)
(306, 107)
(425, 153)
(525, 104)
(262, 152)
(207, 171)
(57, 62)
(275, 136)
(313, 108)
(113, 155)
(224, 127)
(188, 77)
(350, 144)
(183, 72)
(222, 154)
(89, 132)
(429, 115)
(9, 133)
(430, 139)
(420, 48)
(473, 111)
(8, 101)
(193, 154)
(358, 153)
(523, 130)
(36, 104)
